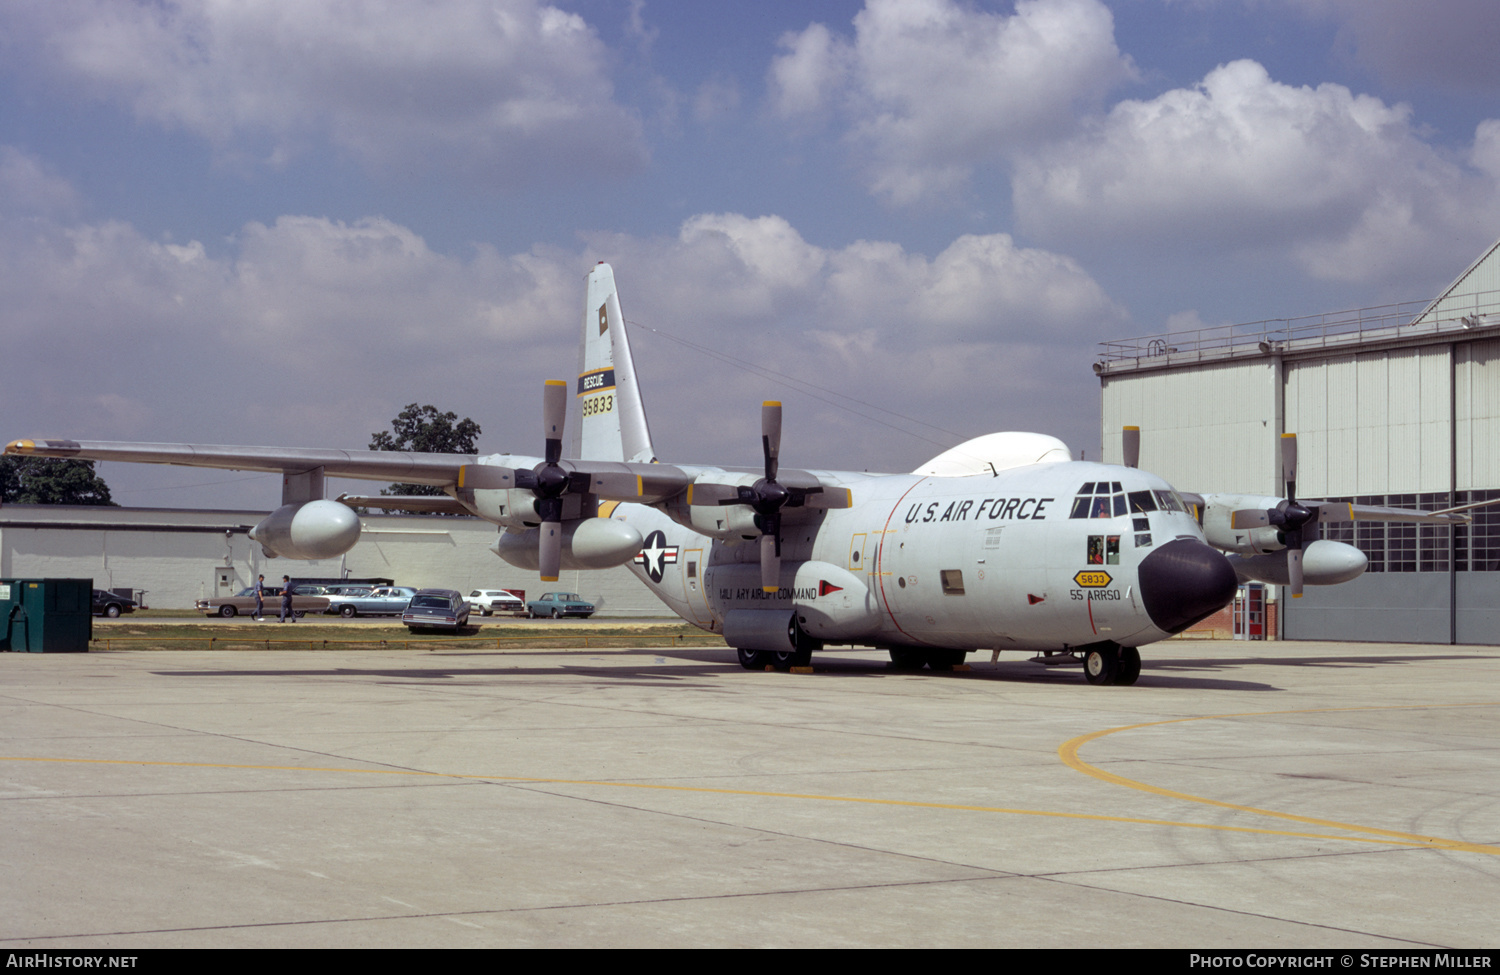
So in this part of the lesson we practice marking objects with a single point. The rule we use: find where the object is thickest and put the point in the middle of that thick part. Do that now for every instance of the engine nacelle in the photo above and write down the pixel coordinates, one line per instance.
(593, 543)
(1218, 509)
(1324, 563)
(309, 530)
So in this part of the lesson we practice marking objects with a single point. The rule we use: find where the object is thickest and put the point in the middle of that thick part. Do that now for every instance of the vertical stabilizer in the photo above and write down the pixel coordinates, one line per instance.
(612, 419)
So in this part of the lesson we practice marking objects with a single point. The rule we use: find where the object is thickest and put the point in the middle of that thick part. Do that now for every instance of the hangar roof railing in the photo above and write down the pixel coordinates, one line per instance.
(1331, 330)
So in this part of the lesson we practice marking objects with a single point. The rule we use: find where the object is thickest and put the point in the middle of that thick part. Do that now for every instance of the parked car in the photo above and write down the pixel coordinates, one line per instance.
(377, 601)
(488, 601)
(306, 598)
(444, 608)
(109, 604)
(559, 604)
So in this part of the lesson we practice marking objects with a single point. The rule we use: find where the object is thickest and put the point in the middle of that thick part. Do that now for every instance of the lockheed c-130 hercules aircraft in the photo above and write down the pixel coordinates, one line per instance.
(1001, 543)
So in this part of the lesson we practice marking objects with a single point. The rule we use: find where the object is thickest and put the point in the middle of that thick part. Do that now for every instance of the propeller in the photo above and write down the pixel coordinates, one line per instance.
(549, 481)
(767, 496)
(1289, 517)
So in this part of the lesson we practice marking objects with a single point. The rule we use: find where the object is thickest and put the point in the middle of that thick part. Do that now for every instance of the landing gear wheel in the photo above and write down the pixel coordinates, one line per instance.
(802, 648)
(753, 659)
(226, 611)
(1130, 666)
(1101, 665)
(786, 660)
(942, 660)
(348, 612)
(908, 658)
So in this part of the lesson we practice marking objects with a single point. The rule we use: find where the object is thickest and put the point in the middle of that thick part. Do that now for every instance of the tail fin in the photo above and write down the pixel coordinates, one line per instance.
(612, 425)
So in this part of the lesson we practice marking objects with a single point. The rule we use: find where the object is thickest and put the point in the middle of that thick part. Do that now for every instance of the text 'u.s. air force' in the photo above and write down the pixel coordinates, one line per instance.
(990, 509)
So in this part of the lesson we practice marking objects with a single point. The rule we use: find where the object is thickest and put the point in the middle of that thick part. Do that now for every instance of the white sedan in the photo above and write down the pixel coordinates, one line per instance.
(487, 602)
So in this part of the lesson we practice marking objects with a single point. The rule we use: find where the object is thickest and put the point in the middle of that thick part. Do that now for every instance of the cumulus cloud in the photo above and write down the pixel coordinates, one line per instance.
(1344, 181)
(929, 89)
(496, 90)
(314, 331)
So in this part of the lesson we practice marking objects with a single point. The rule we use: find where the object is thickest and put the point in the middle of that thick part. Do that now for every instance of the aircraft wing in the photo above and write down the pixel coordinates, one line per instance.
(374, 465)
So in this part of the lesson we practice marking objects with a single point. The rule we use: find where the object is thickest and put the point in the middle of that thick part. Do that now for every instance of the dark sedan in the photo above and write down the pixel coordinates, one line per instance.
(441, 608)
(112, 605)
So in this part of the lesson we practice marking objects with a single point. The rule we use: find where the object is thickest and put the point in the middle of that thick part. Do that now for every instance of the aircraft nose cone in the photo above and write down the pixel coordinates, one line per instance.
(1183, 582)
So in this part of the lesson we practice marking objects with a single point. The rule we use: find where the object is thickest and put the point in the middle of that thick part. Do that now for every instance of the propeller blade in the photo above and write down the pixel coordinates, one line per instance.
(829, 498)
(484, 477)
(1289, 464)
(708, 493)
(554, 415)
(770, 435)
(770, 564)
(1294, 571)
(1131, 441)
(549, 551)
(1246, 518)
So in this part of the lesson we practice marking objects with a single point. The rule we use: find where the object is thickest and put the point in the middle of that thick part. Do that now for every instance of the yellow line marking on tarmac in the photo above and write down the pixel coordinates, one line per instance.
(863, 800)
(1068, 752)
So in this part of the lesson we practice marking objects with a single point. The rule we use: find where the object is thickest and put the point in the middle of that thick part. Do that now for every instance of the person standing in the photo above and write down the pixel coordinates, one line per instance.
(286, 601)
(260, 595)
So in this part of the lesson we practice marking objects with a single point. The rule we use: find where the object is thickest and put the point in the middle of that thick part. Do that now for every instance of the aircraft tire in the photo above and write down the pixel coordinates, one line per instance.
(753, 659)
(943, 660)
(1130, 666)
(801, 657)
(1101, 664)
(908, 658)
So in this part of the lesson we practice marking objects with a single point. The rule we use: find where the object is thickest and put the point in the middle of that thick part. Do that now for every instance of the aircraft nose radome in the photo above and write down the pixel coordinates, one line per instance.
(1183, 582)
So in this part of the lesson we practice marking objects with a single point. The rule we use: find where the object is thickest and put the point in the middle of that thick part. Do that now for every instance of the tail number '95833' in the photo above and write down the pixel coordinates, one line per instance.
(595, 405)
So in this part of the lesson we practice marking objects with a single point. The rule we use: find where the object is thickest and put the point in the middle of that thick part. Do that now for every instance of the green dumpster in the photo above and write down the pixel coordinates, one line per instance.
(46, 615)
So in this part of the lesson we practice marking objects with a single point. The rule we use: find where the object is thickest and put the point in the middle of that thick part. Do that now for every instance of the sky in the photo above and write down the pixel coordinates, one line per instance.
(279, 223)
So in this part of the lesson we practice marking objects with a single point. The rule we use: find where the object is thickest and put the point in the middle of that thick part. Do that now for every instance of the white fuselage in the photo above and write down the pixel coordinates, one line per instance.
(981, 561)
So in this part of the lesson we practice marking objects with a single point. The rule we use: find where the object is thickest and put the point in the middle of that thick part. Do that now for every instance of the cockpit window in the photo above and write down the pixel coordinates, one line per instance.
(1099, 499)
(1142, 502)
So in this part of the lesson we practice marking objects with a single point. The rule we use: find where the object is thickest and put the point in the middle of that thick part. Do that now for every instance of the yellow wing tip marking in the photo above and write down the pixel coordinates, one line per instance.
(20, 446)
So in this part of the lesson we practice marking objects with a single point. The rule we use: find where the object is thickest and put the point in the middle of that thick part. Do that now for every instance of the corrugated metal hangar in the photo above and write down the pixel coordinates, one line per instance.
(1397, 405)
(177, 556)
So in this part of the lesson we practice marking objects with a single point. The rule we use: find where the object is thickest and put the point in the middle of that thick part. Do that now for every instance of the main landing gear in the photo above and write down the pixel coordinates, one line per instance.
(933, 658)
(1110, 663)
(799, 655)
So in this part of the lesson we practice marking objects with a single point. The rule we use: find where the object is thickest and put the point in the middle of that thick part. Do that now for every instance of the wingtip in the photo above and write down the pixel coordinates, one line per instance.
(20, 447)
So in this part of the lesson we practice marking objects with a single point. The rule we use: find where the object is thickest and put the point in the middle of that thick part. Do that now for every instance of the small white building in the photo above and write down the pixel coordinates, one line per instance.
(1397, 405)
(177, 556)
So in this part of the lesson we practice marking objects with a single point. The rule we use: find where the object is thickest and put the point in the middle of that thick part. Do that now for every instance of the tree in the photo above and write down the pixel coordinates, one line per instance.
(43, 480)
(422, 429)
